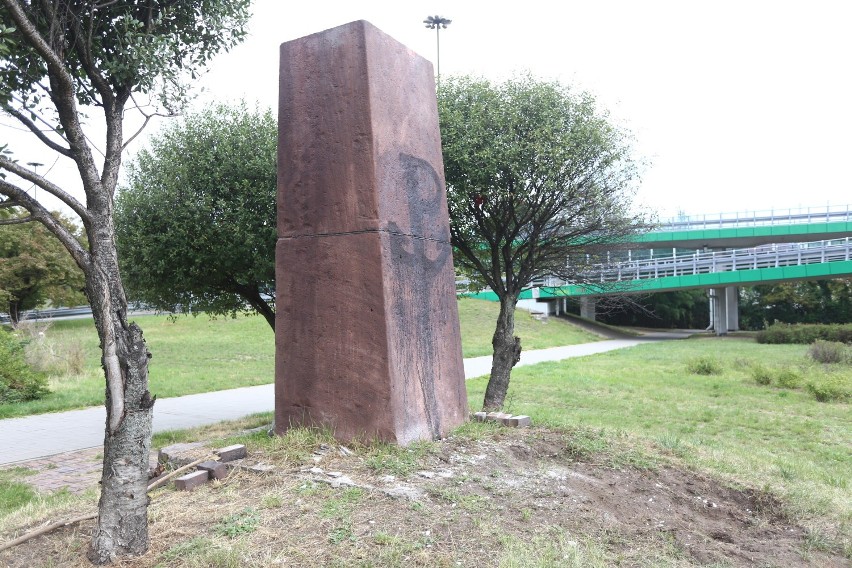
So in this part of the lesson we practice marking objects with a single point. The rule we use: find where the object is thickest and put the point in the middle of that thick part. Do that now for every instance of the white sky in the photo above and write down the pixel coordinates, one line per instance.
(736, 105)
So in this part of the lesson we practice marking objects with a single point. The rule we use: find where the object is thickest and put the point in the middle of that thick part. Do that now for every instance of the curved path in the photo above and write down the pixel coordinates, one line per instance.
(43, 435)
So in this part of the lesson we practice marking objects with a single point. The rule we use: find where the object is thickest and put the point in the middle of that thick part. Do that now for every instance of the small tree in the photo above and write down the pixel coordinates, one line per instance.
(196, 222)
(35, 267)
(59, 56)
(539, 183)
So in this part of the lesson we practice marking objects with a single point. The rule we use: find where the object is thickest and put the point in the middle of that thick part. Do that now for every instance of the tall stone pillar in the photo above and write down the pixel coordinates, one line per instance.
(367, 331)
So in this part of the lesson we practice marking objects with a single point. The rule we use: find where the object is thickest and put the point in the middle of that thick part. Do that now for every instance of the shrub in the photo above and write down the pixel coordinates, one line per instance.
(18, 382)
(805, 333)
(761, 375)
(830, 387)
(789, 378)
(828, 352)
(704, 366)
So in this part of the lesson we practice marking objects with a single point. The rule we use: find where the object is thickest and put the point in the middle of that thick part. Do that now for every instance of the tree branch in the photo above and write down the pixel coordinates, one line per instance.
(115, 133)
(62, 93)
(23, 119)
(148, 117)
(16, 220)
(54, 190)
(43, 216)
(83, 47)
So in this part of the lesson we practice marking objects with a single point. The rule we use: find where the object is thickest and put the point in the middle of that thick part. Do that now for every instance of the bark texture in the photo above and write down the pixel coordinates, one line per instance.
(122, 524)
(507, 353)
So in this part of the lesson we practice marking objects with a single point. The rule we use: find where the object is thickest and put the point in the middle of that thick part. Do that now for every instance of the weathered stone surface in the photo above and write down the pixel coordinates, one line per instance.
(191, 480)
(230, 453)
(367, 333)
(261, 468)
(497, 416)
(217, 470)
(359, 124)
(521, 421)
(179, 454)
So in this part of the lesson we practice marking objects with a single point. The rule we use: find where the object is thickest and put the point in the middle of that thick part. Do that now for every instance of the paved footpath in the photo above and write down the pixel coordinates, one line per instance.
(43, 435)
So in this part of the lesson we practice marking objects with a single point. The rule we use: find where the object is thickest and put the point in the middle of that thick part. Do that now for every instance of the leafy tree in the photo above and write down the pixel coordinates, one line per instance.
(35, 267)
(537, 179)
(802, 301)
(65, 63)
(196, 222)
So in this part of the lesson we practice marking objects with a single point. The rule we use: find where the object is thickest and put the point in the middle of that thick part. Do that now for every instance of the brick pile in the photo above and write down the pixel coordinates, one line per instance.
(211, 469)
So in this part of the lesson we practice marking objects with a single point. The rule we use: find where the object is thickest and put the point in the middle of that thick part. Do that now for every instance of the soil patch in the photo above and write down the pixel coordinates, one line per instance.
(503, 497)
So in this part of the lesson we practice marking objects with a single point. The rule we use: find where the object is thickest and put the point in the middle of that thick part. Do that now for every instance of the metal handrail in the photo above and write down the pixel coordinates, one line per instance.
(826, 214)
(765, 256)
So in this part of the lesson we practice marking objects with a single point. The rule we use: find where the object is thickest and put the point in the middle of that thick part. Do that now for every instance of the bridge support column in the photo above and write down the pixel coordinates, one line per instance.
(725, 309)
(587, 307)
(720, 310)
(732, 305)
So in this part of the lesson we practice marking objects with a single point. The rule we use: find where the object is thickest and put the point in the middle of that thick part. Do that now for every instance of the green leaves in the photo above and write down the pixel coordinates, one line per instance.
(7, 43)
(534, 171)
(196, 223)
(35, 267)
(156, 48)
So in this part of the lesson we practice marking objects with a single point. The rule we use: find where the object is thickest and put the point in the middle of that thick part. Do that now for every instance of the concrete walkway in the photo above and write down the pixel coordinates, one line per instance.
(44, 435)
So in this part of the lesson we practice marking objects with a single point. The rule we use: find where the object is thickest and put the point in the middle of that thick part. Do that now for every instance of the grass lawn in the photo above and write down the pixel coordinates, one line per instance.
(478, 318)
(764, 436)
(197, 354)
(628, 411)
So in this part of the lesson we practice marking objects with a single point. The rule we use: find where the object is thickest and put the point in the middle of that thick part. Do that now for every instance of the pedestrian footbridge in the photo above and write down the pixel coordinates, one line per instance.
(719, 253)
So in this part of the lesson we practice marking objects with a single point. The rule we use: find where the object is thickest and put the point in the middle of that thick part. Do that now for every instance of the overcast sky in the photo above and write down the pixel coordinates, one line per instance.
(736, 105)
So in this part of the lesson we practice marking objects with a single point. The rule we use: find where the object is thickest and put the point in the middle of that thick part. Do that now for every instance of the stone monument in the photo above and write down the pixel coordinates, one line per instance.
(367, 331)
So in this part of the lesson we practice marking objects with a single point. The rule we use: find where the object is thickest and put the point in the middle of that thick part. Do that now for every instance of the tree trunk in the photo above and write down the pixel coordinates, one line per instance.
(507, 353)
(122, 524)
(252, 295)
(14, 314)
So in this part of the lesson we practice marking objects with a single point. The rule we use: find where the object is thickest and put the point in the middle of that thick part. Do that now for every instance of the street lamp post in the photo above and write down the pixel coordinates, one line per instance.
(436, 23)
(35, 166)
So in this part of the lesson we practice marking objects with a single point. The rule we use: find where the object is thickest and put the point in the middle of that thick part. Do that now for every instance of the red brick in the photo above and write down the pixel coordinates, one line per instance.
(217, 470)
(231, 453)
(192, 480)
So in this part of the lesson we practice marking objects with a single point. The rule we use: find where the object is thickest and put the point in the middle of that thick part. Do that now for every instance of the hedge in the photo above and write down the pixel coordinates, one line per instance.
(806, 333)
